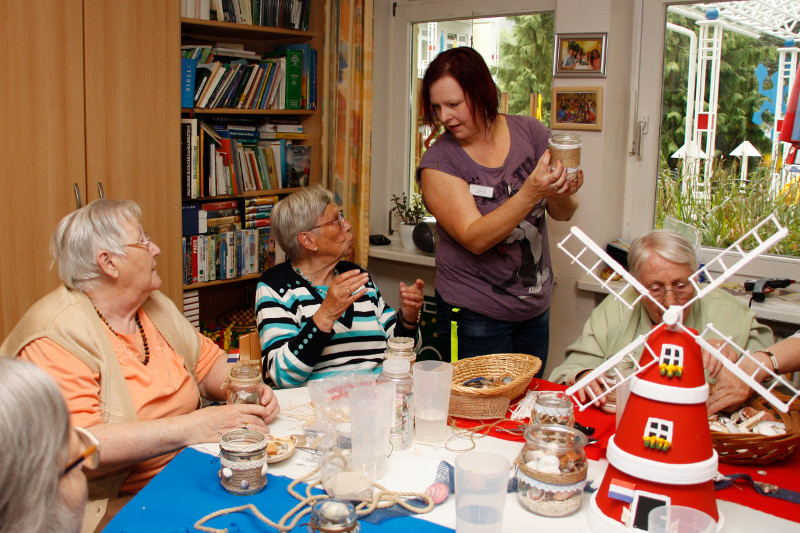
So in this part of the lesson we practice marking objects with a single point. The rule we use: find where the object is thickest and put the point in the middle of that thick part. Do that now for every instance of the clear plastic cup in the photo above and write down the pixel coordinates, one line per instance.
(679, 519)
(481, 488)
(432, 382)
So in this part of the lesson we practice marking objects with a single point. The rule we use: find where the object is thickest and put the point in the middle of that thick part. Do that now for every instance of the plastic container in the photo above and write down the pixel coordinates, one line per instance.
(401, 348)
(679, 519)
(333, 515)
(567, 148)
(398, 371)
(551, 470)
(244, 382)
(243, 460)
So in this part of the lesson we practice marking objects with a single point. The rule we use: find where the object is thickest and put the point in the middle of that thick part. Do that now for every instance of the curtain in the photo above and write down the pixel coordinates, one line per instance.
(347, 113)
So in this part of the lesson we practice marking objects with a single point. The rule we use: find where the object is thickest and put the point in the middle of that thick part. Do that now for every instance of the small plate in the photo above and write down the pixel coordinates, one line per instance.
(286, 447)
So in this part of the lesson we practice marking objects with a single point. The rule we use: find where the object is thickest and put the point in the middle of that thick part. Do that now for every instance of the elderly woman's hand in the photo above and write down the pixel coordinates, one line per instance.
(411, 300)
(728, 391)
(211, 422)
(345, 289)
(267, 399)
(592, 390)
(712, 364)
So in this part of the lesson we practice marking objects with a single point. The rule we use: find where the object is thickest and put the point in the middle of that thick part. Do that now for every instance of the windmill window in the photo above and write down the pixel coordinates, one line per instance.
(671, 354)
(659, 428)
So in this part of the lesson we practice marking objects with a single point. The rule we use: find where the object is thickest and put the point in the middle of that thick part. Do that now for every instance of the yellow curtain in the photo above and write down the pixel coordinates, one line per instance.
(347, 119)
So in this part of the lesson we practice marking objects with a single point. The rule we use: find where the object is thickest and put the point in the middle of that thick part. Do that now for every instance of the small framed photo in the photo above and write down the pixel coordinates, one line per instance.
(577, 108)
(580, 55)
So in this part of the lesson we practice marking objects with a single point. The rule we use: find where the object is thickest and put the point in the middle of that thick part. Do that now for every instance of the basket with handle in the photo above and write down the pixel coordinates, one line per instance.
(490, 402)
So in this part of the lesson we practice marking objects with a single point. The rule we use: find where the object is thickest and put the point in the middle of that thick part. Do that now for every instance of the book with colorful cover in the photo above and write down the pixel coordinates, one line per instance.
(298, 165)
(260, 200)
(305, 54)
(188, 73)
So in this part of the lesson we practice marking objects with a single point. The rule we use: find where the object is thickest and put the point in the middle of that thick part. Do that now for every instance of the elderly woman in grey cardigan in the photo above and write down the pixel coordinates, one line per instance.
(662, 261)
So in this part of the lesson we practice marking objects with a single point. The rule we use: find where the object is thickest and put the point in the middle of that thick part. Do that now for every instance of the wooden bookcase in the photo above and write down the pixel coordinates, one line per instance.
(217, 297)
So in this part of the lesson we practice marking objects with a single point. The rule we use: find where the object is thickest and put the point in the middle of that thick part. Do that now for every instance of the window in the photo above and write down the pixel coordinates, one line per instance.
(659, 429)
(671, 355)
(711, 192)
(418, 31)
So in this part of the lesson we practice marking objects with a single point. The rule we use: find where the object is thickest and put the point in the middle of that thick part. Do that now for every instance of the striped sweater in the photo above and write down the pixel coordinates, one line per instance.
(295, 350)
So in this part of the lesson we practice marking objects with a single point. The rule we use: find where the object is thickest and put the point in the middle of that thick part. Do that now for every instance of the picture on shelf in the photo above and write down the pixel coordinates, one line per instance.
(580, 55)
(577, 108)
(298, 165)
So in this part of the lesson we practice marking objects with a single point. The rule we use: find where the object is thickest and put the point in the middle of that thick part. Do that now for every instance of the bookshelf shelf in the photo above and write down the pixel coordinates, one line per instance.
(251, 112)
(248, 194)
(205, 284)
(231, 30)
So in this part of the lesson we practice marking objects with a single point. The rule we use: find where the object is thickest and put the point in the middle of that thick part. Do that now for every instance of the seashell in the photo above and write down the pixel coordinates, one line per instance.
(561, 496)
(718, 427)
(766, 427)
(438, 492)
(227, 473)
(535, 494)
(730, 425)
(244, 484)
(507, 380)
(532, 457)
(548, 464)
(264, 470)
(752, 421)
(567, 458)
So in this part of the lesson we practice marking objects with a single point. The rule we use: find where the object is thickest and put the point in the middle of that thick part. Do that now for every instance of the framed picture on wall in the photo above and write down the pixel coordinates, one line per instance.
(580, 55)
(576, 108)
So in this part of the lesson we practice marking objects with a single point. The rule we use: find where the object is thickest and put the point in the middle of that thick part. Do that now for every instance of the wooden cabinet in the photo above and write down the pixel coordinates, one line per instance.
(219, 296)
(89, 101)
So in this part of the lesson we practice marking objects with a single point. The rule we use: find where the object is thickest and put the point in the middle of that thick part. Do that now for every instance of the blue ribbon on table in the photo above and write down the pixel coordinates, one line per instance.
(765, 489)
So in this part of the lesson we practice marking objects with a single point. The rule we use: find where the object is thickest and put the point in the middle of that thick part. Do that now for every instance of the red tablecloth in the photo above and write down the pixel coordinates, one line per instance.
(783, 473)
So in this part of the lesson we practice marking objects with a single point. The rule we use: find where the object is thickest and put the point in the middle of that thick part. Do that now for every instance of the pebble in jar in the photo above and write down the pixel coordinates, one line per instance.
(551, 470)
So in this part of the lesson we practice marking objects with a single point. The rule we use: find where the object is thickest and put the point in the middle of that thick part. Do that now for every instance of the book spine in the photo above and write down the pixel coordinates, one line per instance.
(189, 69)
(261, 200)
(224, 204)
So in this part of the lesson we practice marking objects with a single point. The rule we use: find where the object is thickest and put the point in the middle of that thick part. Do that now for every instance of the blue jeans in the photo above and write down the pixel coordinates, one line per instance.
(480, 335)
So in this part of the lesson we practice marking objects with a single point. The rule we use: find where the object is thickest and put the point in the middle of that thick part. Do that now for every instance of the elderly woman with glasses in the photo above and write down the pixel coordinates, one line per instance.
(43, 487)
(131, 367)
(662, 261)
(317, 314)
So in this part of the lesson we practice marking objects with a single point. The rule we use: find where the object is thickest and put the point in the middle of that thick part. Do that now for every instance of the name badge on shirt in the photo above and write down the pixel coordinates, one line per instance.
(481, 190)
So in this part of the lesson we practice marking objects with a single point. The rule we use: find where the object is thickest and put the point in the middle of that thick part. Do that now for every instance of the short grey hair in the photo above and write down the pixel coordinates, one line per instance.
(34, 436)
(86, 231)
(667, 244)
(297, 213)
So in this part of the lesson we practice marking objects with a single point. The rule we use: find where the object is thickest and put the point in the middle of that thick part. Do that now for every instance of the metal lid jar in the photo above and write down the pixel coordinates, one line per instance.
(244, 382)
(243, 457)
(333, 515)
(401, 348)
(551, 470)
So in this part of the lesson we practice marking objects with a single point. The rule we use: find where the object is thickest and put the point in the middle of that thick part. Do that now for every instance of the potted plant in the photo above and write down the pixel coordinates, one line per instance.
(411, 212)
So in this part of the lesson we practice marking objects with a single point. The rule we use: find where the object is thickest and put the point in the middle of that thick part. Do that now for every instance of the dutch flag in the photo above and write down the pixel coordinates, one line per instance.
(621, 490)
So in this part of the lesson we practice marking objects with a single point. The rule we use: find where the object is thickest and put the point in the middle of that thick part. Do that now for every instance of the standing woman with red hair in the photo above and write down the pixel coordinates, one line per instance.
(487, 180)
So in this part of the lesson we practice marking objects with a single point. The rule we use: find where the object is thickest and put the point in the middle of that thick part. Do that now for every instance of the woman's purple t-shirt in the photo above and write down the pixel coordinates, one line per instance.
(513, 281)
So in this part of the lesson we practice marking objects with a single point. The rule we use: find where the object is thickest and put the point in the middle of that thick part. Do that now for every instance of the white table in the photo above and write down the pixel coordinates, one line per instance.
(414, 469)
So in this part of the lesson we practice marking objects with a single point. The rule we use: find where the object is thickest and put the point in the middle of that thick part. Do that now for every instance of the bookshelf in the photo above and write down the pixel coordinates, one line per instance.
(221, 295)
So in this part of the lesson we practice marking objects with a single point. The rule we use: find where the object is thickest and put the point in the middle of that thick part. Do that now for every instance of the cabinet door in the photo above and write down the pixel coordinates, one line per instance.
(133, 116)
(42, 139)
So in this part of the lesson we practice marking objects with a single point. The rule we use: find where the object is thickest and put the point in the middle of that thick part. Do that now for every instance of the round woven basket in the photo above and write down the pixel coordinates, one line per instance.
(480, 404)
(750, 449)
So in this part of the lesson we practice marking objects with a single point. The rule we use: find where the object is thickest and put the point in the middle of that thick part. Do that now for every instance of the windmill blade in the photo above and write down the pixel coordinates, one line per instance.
(736, 250)
(600, 257)
(610, 363)
(774, 380)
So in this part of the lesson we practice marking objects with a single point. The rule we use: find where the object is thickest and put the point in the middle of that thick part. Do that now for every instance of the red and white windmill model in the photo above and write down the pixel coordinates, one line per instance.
(662, 452)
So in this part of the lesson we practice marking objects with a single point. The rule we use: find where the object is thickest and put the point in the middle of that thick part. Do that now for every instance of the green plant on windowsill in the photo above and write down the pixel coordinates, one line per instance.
(409, 211)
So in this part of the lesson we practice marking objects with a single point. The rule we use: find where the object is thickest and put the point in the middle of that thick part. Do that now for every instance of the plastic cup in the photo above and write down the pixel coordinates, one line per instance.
(679, 519)
(432, 381)
(481, 487)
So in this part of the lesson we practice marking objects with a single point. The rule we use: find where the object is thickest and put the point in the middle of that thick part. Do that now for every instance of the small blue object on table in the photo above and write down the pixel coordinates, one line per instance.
(188, 489)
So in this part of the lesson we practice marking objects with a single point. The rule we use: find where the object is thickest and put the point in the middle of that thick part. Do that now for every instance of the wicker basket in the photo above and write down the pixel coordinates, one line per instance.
(480, 404)
(749, 449)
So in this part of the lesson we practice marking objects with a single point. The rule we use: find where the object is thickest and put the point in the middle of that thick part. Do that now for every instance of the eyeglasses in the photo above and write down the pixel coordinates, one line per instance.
(681, 290)
(339, 220)
(144, 242)
(91, 451)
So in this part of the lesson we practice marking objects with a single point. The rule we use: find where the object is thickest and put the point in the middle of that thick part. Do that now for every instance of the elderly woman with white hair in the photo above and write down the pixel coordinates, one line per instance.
(44, 487)
(662, 261)
(318, 315)
(132, 369)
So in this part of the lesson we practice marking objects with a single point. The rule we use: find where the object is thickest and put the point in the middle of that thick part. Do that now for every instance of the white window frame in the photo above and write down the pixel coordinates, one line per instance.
(674, 357)
(646, 86)
(391, 141)
(654, 429)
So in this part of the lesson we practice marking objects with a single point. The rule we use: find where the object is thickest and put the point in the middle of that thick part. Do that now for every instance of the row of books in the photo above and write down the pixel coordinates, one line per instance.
(231, 159)
(290, 14)
(219, 217)
(282, 79)
(227, 255)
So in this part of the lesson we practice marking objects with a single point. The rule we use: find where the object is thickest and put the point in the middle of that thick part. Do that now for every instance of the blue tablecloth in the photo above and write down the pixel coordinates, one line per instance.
(188, 489)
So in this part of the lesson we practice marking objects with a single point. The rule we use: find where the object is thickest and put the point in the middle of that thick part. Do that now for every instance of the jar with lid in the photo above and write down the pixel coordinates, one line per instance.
(553, 407)
(244, 383)
(333, 515)
(398, 371)
(567, 148)
(401, 348)
(243, 460)
(551, 470)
